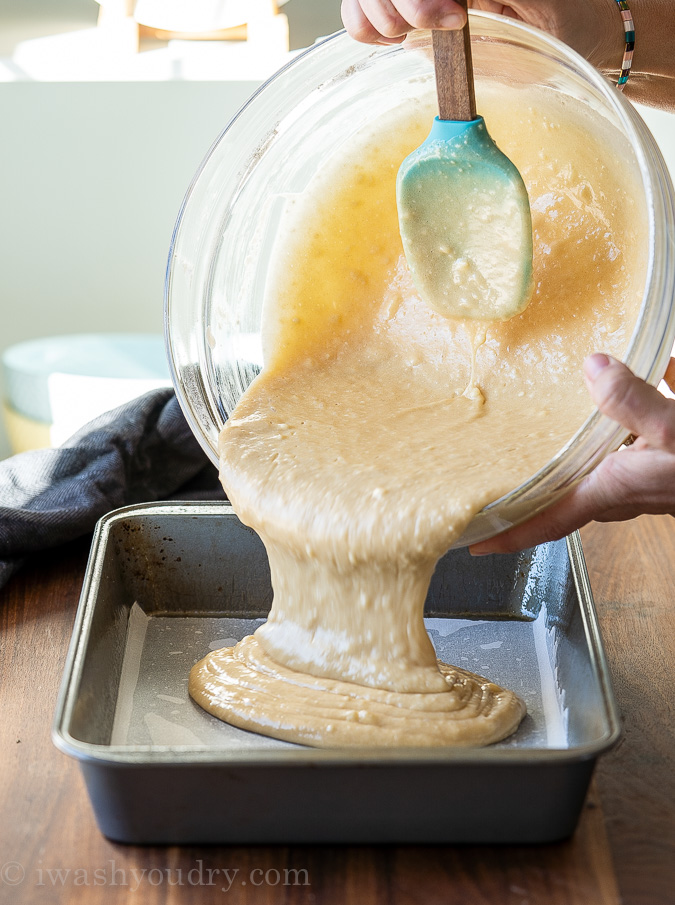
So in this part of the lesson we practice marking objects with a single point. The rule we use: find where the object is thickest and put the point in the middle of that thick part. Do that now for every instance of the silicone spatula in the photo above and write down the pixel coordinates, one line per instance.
(463, 208)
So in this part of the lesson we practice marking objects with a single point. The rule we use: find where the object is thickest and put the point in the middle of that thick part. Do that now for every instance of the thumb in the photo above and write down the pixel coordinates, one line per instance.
(634, 404)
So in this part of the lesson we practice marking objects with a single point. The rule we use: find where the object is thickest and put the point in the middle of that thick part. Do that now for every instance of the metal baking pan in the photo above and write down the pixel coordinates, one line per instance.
(166, 583)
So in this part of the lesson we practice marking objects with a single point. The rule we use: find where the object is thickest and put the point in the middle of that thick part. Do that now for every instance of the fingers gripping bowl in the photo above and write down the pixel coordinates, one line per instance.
(223, 244)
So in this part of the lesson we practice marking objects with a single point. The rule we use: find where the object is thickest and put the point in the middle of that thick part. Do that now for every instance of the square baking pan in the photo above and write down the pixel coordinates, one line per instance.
(166, 583)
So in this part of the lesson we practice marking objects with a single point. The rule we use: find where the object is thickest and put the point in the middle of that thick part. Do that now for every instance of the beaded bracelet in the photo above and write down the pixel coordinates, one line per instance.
(629, 29)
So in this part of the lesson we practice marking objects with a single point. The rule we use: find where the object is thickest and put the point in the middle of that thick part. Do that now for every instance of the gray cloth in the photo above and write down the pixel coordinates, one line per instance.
(141, 452)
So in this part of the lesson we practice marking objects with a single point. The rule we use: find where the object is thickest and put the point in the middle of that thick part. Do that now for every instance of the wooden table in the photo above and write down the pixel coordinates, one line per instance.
(623, 851)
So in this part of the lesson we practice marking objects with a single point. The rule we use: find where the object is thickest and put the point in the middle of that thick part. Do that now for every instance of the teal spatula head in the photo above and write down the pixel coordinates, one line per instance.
(465, 222)
(463, 208)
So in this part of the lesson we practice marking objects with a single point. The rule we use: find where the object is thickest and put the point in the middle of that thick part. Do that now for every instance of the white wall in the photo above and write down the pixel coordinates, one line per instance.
(91, 180)
(662, 125)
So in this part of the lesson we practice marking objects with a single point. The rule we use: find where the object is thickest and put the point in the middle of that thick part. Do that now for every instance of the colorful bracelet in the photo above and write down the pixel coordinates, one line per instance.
(629, 28)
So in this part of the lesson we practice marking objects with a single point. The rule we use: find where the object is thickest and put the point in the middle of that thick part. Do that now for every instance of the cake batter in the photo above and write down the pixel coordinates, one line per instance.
(379, 428)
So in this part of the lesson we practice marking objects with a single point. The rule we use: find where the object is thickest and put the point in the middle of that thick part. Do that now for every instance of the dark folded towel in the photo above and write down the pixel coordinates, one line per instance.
(141, 452)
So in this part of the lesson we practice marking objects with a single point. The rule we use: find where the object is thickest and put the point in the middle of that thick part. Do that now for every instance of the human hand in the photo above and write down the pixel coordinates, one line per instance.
(591, 27)
(634, 480)
(389, 21)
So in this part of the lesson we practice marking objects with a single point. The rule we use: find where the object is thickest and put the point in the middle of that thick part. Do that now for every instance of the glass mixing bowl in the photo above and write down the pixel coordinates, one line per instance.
(229, 221)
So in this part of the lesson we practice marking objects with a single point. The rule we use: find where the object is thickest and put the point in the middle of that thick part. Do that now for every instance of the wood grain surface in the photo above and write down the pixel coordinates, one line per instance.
(454, 73)
(623, 851)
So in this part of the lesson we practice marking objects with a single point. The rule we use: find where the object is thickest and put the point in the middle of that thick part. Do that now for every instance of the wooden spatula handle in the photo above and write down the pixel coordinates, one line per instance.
(454, 73)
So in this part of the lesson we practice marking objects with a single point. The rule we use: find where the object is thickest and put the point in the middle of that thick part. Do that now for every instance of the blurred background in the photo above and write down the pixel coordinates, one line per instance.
(106, 111)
